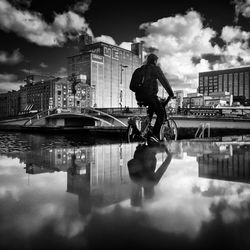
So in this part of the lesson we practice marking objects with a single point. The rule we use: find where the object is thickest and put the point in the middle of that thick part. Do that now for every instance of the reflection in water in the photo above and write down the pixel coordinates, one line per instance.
(104, 184)
(143, 173)
(227, 162)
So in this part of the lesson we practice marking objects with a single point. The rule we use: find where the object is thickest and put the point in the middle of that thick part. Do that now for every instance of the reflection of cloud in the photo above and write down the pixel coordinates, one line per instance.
(40, 197)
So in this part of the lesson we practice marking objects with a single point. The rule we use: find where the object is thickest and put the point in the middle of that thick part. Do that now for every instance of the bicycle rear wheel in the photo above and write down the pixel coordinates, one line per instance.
(169, 130)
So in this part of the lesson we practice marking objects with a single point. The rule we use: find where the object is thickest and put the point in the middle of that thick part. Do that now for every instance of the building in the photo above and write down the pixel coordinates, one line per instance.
(108, 69)
(43, 95)
(9, 104)
(197, 100)
(235, 81)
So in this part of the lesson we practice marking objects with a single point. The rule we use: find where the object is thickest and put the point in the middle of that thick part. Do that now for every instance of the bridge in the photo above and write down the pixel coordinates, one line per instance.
(88, 117)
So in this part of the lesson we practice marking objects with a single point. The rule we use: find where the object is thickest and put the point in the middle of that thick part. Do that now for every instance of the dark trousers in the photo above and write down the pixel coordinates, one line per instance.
(154, 106)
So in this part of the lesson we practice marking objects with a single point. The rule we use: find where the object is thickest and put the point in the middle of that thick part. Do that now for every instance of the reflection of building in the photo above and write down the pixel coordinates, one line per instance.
(232, 166)
(106, 180)
(235, 81)
(108, 69)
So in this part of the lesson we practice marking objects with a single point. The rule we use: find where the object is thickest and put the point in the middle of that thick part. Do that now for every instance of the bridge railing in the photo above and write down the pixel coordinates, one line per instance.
(40, 115)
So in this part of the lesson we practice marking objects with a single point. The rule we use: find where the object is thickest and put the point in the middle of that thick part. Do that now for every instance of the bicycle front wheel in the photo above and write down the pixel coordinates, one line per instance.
(169, 130)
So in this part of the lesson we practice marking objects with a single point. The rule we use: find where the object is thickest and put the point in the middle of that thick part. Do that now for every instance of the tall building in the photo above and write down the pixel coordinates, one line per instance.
(235, 81)
(108, 69)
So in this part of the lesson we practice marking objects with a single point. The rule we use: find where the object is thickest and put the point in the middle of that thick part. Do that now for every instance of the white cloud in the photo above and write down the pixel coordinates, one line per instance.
(43, 65)
(13, 58)
(34, 28)
(105, 39)
(242, 7)
(178, 40)
(126, 45)
(230, 34)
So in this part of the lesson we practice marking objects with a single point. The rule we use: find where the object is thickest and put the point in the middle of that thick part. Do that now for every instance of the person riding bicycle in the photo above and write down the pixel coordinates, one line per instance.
(148, 95)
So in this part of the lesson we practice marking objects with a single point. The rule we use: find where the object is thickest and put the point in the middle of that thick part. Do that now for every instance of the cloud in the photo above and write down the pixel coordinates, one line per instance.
(13, 58)
(9, 82)
(81, 7)
(43, 65)
(126, 45)
(177, 40)
(31, 71)
(234, 34)
(62, 72)
(34, 28)
(242, 7)
(105, 39)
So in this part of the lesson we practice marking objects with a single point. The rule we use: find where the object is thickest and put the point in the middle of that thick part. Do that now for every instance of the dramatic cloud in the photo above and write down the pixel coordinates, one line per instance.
(177, 40)
(13, 58)
(34, 28)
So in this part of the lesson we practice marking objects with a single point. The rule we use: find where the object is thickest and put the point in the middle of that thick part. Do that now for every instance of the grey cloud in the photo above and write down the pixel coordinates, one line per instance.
(14, 58)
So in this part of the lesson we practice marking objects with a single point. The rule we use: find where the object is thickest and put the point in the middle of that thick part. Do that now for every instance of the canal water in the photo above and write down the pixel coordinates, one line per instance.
(68, 192)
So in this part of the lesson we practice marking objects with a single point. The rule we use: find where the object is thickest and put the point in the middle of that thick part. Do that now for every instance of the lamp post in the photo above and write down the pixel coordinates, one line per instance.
(121, 90)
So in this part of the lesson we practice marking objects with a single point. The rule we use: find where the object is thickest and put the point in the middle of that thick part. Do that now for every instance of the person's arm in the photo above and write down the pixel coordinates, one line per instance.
(161, 170)
(164, 81)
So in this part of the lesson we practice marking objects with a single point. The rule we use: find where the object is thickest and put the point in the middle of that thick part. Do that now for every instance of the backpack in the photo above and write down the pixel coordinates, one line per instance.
(137, 79)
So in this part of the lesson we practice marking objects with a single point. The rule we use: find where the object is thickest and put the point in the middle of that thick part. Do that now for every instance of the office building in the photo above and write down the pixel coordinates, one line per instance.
(235, 81)
(108, 69)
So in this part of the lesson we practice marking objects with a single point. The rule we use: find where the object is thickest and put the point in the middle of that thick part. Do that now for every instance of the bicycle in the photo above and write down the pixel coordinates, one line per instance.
(140, 127)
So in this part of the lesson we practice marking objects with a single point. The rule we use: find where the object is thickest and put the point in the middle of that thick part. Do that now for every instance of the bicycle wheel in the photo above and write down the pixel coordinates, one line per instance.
(169, 130)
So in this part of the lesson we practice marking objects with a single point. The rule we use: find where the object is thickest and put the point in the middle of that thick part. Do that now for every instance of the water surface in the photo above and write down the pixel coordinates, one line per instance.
(65, 192)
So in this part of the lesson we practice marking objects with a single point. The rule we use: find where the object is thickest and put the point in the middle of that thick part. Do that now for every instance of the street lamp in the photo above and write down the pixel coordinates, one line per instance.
(121, 91)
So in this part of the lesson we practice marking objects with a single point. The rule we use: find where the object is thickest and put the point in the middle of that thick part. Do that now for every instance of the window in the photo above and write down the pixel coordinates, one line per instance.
(59, 92)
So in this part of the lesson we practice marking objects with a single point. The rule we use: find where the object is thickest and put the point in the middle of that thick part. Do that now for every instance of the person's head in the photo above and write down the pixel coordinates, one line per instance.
(152, 59)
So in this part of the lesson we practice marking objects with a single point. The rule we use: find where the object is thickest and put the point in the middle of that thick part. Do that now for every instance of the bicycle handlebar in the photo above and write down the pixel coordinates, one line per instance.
(165, 101)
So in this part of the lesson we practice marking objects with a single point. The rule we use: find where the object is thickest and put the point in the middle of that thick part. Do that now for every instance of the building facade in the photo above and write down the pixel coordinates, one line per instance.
(235, 81)
(43, 95)
(108, 69)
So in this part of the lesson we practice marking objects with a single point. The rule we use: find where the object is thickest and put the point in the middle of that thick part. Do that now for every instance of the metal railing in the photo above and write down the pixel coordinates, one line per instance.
(200, 132)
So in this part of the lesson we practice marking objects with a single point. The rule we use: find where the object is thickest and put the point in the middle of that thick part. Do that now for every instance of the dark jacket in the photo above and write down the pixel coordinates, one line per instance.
(151, 74)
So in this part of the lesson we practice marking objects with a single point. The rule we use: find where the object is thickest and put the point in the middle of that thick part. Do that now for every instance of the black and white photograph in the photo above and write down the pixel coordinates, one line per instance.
(124, 124)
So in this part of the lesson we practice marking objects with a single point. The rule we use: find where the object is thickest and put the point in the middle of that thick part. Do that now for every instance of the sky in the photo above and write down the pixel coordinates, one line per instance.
(189, 36)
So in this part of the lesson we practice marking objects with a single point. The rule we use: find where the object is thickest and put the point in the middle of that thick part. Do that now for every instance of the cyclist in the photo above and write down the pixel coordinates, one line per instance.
(148, 94)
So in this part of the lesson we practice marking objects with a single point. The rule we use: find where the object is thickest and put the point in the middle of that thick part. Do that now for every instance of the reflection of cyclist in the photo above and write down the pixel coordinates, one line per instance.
(148, 95)
(143, 173)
